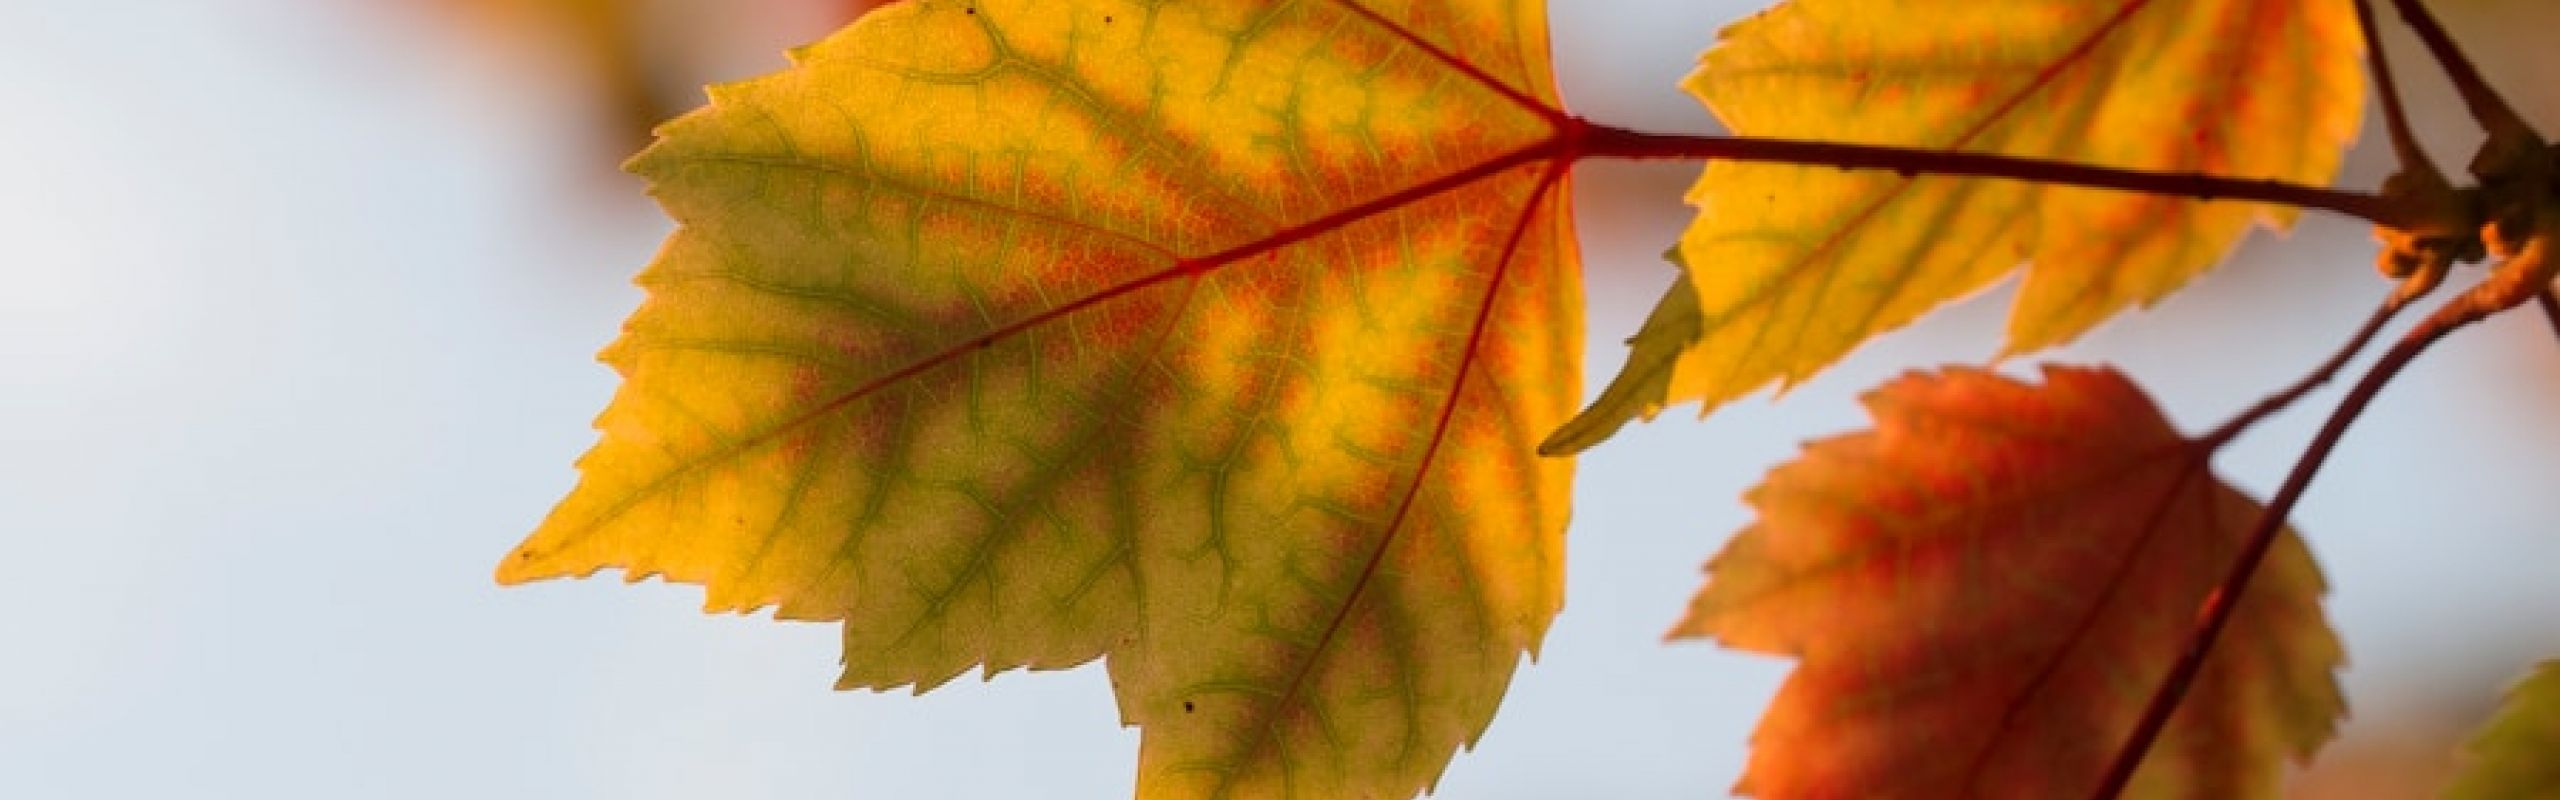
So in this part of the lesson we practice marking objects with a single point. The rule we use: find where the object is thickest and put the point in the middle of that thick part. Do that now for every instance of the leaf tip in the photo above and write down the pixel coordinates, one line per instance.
(1688, 629)
(1584, 431)
(1638, 392)
(517, 568)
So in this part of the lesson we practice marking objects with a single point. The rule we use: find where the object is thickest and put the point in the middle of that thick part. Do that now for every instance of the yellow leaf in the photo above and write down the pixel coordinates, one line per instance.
(1983, 592)
(1794, 266)
(1211, 337)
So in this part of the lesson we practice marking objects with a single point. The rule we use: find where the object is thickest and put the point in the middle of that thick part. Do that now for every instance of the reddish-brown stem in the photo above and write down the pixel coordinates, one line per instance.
(2318, 377)
(1601, 141)
(1574, 139)
(2487, 106)
(2225, 598)
(2404, 140)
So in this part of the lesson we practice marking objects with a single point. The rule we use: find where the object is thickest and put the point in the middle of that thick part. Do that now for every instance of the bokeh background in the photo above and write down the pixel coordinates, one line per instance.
(298, 302)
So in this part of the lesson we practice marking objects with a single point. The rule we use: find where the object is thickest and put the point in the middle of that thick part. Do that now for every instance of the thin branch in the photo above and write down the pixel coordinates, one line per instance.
(2487, 106)
(2219, 605)
(2404, 140)
(2320, 376)
(1601, 141)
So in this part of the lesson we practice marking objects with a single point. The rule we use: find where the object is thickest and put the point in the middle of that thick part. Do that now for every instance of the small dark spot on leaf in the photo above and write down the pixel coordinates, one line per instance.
(1186, 707)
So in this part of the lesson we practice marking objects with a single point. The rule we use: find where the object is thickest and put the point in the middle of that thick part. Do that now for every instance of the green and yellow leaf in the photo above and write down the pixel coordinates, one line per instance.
(1983, 591)
(1211, 337)
(1791, 267)
(2517, 755)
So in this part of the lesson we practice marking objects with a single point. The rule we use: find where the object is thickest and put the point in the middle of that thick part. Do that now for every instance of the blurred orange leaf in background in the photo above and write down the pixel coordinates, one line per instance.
(646, 60)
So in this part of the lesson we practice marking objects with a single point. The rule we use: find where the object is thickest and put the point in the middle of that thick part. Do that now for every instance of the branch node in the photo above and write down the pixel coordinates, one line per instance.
(2440, 226)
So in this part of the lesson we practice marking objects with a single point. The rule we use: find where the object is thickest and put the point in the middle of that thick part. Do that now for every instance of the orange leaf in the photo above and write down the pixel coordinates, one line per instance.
(1983, 591)
(1212, 337)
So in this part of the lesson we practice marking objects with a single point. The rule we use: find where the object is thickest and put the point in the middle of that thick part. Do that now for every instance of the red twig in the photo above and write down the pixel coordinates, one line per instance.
(1601, 141)
(2404, 140)
(2219, 605)
(2320, 376)
(2487, 107)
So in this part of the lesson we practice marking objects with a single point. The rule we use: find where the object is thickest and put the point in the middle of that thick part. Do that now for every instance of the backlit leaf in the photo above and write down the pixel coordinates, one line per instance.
(1211, 337)
(2517, 755)
(1794, 266)
(1982, 592)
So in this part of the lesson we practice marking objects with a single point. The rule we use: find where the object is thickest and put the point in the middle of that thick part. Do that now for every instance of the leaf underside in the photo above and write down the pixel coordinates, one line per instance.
(1787, 268)
(1211, 337)
(1983, 591)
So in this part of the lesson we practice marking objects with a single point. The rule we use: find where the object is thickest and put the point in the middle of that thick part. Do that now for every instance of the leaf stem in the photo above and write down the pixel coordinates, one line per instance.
(2219, 605)
(2320, 376)
(2404, 140)
(1602, 141)
(2487, 107)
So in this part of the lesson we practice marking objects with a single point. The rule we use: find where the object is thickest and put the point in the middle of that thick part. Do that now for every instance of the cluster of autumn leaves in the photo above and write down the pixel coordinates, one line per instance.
(1220, 340)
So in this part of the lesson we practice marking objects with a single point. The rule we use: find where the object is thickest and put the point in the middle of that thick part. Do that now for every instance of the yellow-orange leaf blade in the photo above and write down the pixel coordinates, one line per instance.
(1794, 266)
(1209, 336)
(1983, 591)
(2517, 755)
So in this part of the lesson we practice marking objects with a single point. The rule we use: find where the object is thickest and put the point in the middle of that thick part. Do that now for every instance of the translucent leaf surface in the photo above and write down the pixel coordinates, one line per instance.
(1792, 267)
(2517, 755)
(1211, 337)
(1983, 591)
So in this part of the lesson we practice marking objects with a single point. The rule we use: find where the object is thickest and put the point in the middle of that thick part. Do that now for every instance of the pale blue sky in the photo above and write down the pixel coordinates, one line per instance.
(296, 339)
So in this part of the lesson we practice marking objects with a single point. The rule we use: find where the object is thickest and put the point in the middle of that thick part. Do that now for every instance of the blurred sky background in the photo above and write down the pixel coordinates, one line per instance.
(298, 307)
